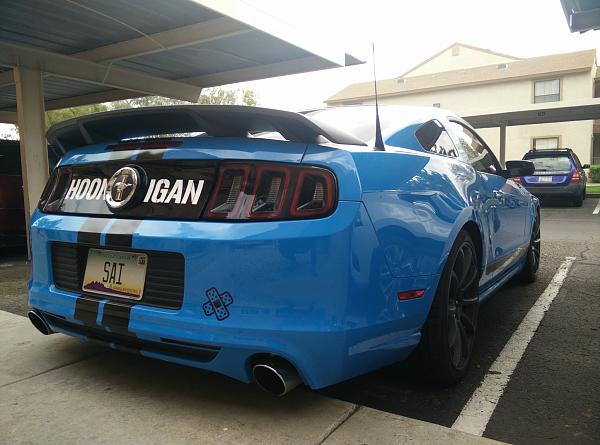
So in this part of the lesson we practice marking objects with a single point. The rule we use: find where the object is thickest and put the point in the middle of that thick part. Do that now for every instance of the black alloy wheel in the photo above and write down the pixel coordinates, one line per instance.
(449, 333)
(534, 252)
(463, 302)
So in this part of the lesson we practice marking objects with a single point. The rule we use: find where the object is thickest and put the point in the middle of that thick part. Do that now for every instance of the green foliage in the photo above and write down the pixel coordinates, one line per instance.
(211, 96)
(595, 173)
(55, 116)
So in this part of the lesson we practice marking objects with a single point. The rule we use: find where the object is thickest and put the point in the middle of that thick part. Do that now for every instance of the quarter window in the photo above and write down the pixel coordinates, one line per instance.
(546, 91)
(475, 152)
(444, 146)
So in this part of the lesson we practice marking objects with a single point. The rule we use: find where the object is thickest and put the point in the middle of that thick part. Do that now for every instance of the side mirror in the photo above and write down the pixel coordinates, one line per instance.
(428, 133)
(519, 168)
(585, 166)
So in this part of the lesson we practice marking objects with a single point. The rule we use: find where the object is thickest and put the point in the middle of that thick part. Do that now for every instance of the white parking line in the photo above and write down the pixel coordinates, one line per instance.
(597, 209)
(477, 412)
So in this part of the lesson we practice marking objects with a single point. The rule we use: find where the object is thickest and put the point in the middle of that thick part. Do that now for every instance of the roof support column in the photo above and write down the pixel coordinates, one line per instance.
(32, 129)
(502, 144)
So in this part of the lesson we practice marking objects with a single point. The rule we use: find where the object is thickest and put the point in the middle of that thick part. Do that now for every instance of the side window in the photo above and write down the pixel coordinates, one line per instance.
(480, 157)
(577, 162)
(444, 146)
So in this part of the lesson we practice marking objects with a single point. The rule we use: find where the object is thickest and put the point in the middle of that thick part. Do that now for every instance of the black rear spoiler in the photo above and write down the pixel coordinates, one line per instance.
(214, 120)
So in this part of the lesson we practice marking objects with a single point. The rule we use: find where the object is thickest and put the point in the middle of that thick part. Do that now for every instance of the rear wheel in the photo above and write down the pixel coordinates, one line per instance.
(449, 333)
(528, 274)
(578, 200)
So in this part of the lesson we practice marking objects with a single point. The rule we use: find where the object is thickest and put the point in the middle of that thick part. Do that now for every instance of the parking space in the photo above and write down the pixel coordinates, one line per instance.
(553, 396)
(540, 404)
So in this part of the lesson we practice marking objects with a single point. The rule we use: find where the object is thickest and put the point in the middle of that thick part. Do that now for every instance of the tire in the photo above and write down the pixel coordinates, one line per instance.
(532, 264)
(448, 335)
(578, 200)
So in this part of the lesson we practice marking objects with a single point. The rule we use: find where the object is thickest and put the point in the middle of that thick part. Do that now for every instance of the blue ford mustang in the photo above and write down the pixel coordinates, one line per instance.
(275, 246)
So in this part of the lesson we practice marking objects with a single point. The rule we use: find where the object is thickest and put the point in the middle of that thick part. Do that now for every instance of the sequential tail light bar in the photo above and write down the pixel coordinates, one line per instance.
(265, 190)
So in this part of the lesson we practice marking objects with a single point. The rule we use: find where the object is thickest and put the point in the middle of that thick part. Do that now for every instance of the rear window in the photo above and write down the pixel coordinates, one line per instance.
(551, 163)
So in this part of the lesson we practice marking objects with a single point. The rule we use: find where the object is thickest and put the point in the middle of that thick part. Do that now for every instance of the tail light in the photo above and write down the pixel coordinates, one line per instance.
(263, 191)
(517, 179)
(575, 178)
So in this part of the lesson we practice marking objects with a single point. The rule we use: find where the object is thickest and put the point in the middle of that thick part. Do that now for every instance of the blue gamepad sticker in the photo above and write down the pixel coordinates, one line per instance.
(217, 303)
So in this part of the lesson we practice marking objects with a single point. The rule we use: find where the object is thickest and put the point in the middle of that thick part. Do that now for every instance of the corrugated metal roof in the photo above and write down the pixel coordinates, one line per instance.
(69, 27)
(536, 66)
(75, 27)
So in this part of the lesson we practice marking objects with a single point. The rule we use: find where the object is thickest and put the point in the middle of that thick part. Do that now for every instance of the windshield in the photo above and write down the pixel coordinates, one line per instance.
(551, 163)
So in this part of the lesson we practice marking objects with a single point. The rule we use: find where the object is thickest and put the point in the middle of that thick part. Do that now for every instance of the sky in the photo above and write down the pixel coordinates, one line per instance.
(407, 32)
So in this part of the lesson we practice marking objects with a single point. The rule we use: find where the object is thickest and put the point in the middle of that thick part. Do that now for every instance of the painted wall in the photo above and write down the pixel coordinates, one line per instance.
(458, 57)
(490, 98)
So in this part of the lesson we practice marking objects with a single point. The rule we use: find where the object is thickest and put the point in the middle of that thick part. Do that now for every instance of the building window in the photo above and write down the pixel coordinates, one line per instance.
(545, 143)
(546, 91)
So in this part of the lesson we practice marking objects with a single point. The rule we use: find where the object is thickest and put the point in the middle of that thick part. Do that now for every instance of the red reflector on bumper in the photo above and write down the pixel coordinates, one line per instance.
(409, 295)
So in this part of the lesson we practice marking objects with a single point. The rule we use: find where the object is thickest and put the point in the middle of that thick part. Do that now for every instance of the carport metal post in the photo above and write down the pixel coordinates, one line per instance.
(32, 128)
(502, 143)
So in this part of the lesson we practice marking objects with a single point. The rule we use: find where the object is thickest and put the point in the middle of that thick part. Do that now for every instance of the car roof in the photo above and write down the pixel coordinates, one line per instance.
(549, 151)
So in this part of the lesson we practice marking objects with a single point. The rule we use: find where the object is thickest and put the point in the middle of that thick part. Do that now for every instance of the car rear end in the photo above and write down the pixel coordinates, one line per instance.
(231, 251)
(556, 175)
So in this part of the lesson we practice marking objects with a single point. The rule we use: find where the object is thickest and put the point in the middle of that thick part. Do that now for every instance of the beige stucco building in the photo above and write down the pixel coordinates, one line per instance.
(472, 81)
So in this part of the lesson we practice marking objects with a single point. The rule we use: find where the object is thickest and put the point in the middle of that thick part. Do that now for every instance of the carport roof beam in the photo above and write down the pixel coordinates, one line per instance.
(70, 67)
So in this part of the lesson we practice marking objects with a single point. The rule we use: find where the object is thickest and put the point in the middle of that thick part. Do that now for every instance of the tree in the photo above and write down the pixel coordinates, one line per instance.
(212, 96)
(55, 116)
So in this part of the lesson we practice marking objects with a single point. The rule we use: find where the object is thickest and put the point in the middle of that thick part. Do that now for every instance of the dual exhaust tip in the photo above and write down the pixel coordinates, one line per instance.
(276, 376)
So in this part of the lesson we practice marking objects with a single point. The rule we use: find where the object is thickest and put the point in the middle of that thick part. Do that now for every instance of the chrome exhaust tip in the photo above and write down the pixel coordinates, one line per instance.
(39, 323)
(276, 379)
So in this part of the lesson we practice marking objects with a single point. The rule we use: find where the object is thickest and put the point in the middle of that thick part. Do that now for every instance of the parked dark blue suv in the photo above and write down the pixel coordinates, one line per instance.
(558, 174)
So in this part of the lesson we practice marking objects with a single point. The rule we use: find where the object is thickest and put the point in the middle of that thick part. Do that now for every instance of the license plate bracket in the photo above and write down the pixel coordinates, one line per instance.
(115, 273)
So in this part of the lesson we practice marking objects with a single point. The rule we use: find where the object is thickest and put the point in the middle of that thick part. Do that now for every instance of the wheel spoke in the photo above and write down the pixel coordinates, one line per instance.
(457, 350)
(471, 279)
(467, 262)
(453, 334)
(467, 323)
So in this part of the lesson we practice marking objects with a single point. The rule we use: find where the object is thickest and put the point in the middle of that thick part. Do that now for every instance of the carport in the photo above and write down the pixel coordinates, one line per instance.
(536, 114)
(66, 53)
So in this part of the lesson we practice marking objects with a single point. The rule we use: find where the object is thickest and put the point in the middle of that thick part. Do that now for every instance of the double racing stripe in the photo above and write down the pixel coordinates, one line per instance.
(86, 308)
(115, 315)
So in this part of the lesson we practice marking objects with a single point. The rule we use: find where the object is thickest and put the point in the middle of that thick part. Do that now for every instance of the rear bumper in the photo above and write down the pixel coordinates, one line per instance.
(317, 293)
(555, 191)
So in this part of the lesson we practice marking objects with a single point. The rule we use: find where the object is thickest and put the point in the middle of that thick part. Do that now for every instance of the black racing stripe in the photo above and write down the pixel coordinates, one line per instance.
(150, 155)
(120, 234)
(116, 317)
(90, 231)
(86, 310)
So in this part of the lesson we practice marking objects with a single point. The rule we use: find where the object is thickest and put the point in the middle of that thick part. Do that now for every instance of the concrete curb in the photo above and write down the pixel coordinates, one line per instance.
(57, 390)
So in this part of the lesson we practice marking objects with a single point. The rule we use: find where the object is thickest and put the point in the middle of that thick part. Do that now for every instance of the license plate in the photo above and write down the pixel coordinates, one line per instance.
(545, 179)
(115, 273)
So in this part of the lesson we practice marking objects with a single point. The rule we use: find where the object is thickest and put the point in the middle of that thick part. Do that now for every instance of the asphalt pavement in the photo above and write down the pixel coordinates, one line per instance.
(553, 396)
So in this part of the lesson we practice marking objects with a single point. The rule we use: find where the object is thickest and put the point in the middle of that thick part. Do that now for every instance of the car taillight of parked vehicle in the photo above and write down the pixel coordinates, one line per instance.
(264, 191)
(576, 178)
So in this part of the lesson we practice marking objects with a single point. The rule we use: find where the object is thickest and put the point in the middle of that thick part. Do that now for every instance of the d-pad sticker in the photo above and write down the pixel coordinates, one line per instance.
(217, 304)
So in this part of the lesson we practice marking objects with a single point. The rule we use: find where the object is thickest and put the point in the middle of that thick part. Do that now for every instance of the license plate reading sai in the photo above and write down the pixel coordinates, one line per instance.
(115, 273)
(545, 179)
